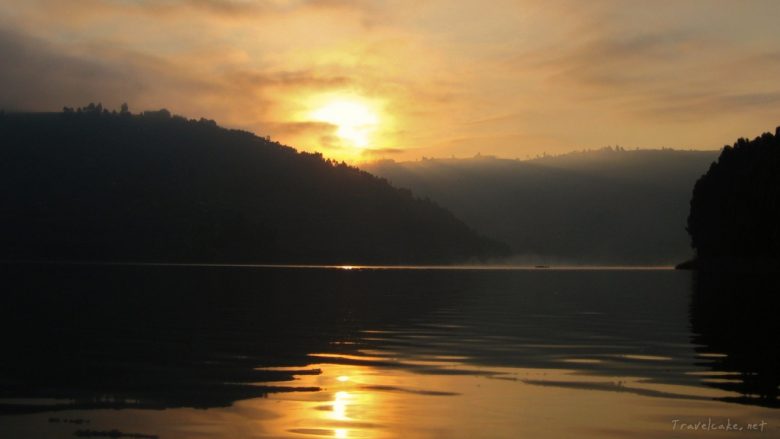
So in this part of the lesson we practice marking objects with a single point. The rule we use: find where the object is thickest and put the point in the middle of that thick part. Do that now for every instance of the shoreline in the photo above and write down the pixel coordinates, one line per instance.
(484, 267)
(730, 265)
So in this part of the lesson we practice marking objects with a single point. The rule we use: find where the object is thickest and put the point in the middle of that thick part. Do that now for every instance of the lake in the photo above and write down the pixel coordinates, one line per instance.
(260, 352)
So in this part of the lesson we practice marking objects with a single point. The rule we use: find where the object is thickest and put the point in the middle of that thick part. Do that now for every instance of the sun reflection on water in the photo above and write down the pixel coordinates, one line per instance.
(461, 401)
(340, 403)
(366, 401)
(347, 405)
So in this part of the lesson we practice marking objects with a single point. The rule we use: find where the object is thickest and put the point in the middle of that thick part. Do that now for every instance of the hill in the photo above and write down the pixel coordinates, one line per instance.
(609, 206)
(735, 209)
(90, 184)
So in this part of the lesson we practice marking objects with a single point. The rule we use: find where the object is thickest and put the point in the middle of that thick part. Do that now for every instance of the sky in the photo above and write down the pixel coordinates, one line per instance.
(404, 79)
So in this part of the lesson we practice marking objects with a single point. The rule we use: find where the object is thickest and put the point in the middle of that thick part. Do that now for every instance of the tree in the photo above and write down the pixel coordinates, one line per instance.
(735, 207)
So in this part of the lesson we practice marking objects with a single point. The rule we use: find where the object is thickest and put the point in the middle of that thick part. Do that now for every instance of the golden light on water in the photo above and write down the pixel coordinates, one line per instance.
(341, 401)
(387, 403)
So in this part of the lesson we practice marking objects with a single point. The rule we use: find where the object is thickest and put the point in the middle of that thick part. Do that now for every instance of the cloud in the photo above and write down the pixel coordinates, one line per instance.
(231, 8)
(228, 7)
(698, 106)
(302, 127)
(222, 9)
(383, 151)
(308, 79)
(616, 63)
(38, 76)
(636, 60)
(45, 76)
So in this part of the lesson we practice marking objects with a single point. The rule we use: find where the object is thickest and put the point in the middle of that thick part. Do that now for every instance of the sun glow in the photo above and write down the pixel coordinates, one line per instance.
(355, 121)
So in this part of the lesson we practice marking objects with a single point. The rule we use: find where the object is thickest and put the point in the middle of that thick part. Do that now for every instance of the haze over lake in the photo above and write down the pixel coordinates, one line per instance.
(220, 352)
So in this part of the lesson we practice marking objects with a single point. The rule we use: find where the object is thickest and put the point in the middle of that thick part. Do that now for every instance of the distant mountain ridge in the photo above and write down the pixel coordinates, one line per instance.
(608, 206)
(89, 184)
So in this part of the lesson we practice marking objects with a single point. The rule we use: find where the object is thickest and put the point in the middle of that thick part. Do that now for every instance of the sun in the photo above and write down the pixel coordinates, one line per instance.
(355, 121)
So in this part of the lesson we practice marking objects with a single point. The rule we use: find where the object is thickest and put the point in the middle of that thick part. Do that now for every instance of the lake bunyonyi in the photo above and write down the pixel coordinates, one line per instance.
(144, 351)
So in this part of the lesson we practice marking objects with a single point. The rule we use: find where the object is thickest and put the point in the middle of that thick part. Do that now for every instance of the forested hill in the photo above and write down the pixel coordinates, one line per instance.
(90, 184)
(735, 210)
(609, 206)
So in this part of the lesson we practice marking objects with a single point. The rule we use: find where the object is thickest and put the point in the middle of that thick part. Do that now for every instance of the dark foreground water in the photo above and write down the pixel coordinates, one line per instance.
(235, 352)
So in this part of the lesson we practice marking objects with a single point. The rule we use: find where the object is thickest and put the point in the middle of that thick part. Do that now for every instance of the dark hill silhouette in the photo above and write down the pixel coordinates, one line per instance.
(735, 209)
(90, 184)
(608, 206)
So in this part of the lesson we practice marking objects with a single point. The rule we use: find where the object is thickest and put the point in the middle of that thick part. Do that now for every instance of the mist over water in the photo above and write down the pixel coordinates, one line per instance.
(294, 352)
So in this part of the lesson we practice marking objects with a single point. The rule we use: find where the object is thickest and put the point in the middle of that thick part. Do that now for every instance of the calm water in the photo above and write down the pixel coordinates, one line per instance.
(234, 352)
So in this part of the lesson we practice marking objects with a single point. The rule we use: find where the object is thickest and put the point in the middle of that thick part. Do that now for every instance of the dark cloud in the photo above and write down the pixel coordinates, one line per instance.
(695, 106)
(230, 7)
(338, 4)
(38, 76)
(237, 9)
(224, 8)
(383, 151)
(623, 61)
(297, 128)
(750, 100)
(664, 75)
(41, 76)
(295, 79)
(331, 142)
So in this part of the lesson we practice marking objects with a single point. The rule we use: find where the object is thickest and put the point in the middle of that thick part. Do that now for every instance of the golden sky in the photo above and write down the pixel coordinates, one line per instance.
(402, 79)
